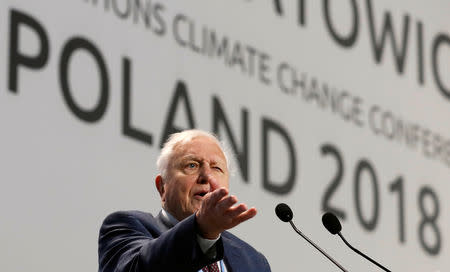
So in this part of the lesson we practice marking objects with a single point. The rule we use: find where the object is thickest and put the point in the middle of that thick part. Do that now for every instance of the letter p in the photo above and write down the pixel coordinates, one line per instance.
(16, 58)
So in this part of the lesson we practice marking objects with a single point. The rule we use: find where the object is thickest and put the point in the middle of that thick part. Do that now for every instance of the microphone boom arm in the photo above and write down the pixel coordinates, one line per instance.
(362, 254)
(317, 247)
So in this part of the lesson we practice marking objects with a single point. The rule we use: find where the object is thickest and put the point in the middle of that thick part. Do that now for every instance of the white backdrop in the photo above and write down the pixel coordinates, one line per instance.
(85, 84)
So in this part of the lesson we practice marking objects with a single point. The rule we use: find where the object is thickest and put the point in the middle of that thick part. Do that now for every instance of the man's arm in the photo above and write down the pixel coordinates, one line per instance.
(131, 241)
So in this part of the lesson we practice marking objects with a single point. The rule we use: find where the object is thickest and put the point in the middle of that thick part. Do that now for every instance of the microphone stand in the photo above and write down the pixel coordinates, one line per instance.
(317, 247)
(362, 254)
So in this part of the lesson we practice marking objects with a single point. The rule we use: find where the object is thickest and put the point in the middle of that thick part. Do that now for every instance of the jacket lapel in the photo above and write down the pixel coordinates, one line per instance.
(231, 254)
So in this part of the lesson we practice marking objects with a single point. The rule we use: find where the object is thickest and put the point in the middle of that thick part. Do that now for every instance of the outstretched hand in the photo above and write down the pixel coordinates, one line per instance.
(218, 213)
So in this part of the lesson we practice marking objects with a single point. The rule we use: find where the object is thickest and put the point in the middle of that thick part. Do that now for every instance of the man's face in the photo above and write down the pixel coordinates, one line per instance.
(195, 168)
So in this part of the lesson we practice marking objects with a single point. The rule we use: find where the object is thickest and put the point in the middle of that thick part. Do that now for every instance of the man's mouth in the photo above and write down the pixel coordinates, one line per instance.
(200, 194)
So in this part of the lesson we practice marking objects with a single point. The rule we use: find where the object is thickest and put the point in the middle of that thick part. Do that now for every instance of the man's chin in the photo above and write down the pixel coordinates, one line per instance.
(196, 206)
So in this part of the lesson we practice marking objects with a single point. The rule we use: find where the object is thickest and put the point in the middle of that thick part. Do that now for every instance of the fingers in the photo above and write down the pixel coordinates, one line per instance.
(241, 213)
(237, 210)
(250, 213)
(222, 212)
(217, 195)
(226, 205)
(237, 214)
(227, 202)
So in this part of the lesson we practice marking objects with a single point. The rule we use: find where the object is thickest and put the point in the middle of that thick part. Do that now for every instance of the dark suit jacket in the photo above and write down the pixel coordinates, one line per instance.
(137, 241)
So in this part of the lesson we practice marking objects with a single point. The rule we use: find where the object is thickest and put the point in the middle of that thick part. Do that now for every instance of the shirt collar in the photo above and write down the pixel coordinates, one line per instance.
(169, 218)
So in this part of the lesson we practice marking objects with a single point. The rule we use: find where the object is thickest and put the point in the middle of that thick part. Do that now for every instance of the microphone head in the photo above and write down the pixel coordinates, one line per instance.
(284, 212)
(331, 223)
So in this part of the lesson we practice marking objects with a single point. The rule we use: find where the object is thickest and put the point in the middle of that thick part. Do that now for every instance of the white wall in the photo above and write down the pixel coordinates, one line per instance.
(63, 171)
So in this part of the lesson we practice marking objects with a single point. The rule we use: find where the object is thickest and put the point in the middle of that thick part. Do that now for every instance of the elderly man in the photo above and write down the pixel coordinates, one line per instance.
(189, 234)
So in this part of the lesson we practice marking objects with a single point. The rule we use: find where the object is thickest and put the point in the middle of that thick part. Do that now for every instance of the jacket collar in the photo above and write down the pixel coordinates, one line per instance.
(165, 220)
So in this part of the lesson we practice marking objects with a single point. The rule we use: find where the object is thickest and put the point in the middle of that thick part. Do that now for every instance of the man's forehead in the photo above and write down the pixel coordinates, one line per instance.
(199, 147)
(199, 157)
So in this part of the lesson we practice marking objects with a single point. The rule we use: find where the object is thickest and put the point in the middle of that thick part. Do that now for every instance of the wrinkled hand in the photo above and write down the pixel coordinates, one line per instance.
(218, 213)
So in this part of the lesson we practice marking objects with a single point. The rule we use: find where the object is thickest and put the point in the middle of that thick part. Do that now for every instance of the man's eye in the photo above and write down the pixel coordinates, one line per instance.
(218, 168)
(191, 165)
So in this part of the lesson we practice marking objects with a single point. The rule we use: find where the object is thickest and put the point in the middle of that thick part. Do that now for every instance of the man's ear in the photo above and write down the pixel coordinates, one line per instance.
(159, 183)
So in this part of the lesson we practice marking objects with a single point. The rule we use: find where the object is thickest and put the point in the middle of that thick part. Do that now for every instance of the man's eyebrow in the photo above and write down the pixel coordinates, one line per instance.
(189, 157)
(216, 160)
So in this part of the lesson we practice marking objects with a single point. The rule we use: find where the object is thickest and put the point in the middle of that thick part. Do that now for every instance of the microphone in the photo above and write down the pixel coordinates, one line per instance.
(283, 212)
(332, 224)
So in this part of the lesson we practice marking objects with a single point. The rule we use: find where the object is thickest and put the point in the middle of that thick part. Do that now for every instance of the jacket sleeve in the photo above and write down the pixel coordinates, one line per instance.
(129, 243)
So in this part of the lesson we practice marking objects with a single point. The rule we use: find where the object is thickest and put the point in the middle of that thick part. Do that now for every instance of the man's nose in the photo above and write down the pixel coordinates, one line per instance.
(205, 175)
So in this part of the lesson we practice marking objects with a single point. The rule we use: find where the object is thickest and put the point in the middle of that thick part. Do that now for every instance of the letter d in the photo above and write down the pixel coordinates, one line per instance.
(286, 186)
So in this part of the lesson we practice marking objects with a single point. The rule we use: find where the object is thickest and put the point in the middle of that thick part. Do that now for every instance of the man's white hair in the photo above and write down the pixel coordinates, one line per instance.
(182, 137)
